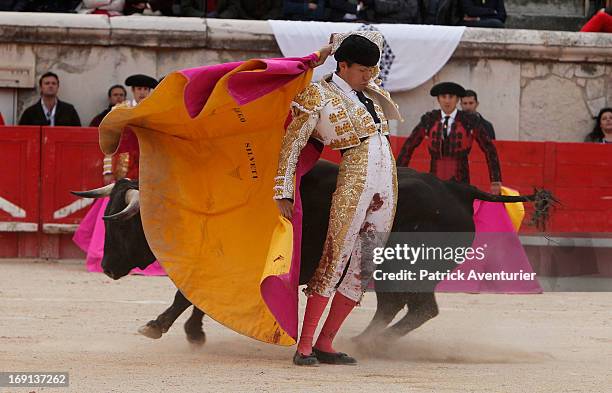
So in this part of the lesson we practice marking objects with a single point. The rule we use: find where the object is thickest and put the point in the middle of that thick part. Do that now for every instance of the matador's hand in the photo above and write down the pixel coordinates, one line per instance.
(323, 55)
(285, 206)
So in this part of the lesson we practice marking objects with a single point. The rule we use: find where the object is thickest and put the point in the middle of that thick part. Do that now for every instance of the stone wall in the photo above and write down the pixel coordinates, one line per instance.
(533, 85)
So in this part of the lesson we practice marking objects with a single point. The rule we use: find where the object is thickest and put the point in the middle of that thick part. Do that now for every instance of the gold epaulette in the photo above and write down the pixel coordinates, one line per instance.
(309, 100)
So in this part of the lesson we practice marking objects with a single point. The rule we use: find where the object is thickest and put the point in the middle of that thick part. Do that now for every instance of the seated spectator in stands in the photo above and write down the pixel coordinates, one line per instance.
(52, 5)
(330, 10)
(14, 5)
(345, 10)
(196, 8)
(601, 22)
(484, 13)
(304, 9)
(393, 11)
(250, 9)
(49, 110)
(441, 12)
(104, 7)
(116, 95)
(602, 132)
(137, 7)
(469, 104)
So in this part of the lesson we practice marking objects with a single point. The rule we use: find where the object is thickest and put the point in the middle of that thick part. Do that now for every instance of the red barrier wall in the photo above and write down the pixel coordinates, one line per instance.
(42, 164)
(71, 160)
(578, 174)
(19, 191)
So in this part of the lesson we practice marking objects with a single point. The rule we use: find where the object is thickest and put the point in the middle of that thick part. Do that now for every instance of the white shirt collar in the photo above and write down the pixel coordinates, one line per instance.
(341, 83)
(452, 115)
(49, 113)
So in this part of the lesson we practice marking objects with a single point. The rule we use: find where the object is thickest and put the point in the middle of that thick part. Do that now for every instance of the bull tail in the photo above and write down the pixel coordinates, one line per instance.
(543, 200)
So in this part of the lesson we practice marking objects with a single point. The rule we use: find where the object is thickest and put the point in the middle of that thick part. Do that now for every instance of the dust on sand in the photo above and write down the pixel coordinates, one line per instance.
(58, 317)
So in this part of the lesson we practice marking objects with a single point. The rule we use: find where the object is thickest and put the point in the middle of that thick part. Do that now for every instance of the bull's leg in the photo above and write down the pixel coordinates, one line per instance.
(388, 304)
(160, 325)
(193, 327)
(421, 308)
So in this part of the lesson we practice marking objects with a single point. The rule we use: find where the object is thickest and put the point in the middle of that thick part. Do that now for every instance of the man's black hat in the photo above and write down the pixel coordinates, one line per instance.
(140, 80)
(447, 88)
(358, 49)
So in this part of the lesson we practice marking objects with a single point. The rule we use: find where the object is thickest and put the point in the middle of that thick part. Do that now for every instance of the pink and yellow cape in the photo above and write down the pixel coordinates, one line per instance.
(209, 144)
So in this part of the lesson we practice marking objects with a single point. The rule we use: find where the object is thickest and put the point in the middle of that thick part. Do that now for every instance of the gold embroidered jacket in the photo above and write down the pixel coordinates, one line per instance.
(324, 112)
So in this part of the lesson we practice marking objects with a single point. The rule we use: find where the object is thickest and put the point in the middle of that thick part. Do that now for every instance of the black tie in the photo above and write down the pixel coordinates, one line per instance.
(445, 130)
(369, 104)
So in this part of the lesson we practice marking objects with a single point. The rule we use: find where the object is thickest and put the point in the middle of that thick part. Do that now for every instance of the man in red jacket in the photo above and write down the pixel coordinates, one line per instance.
(450, 134)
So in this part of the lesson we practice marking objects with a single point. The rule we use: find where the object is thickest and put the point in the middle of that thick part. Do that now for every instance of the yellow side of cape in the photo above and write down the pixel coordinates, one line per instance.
(206, 195)
(516, 211)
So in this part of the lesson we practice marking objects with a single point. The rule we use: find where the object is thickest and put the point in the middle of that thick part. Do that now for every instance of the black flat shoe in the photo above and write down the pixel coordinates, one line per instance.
(305, 360)
(334, 357)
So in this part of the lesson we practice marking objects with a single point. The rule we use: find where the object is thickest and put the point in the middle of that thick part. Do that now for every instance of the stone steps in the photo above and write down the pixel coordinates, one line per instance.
(561, 15)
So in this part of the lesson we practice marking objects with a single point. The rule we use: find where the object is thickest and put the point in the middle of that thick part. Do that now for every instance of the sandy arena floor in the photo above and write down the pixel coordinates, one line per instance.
(57, 317)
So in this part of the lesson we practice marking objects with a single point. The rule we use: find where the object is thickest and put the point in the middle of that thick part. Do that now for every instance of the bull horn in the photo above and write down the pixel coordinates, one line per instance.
(132, 198)
(95, 193)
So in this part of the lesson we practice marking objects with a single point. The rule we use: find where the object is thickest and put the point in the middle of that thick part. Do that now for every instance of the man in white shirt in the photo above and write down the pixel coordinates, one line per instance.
(49, 110)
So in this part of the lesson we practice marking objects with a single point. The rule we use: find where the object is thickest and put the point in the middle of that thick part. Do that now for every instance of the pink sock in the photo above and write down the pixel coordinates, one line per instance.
(314, 309)
(340, 309)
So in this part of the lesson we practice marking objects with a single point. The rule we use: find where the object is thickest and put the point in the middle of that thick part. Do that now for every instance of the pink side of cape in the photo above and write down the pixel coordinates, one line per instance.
(504, 251)
(281, 292)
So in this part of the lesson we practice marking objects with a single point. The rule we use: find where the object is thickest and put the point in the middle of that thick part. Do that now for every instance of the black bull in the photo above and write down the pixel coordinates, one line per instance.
(425, 204)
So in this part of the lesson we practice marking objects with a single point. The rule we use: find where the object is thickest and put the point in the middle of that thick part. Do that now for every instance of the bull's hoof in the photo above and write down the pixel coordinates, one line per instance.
(194, 332)
(151, 330)
(364, 343)
(198, 338)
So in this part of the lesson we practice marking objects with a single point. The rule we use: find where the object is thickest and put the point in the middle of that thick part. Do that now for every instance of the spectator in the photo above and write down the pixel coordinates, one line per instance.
(484, 13)
(304, 9)
(393, 11)
(441, 12)
(116, 95)
(195, 8)
(136, 7)
(104, 7)
(250, 9)
(14, 5)
(469, 104)
(602, 132)
(344, 10)
(52, 5)
(601, 22)
(49, 110)
(189, 8)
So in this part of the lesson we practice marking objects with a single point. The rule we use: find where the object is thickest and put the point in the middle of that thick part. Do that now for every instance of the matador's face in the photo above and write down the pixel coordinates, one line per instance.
(356, 75)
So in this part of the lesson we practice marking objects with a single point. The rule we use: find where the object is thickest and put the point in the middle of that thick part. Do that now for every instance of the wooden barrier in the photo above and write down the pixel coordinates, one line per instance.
(578, 174)
(41, 165)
